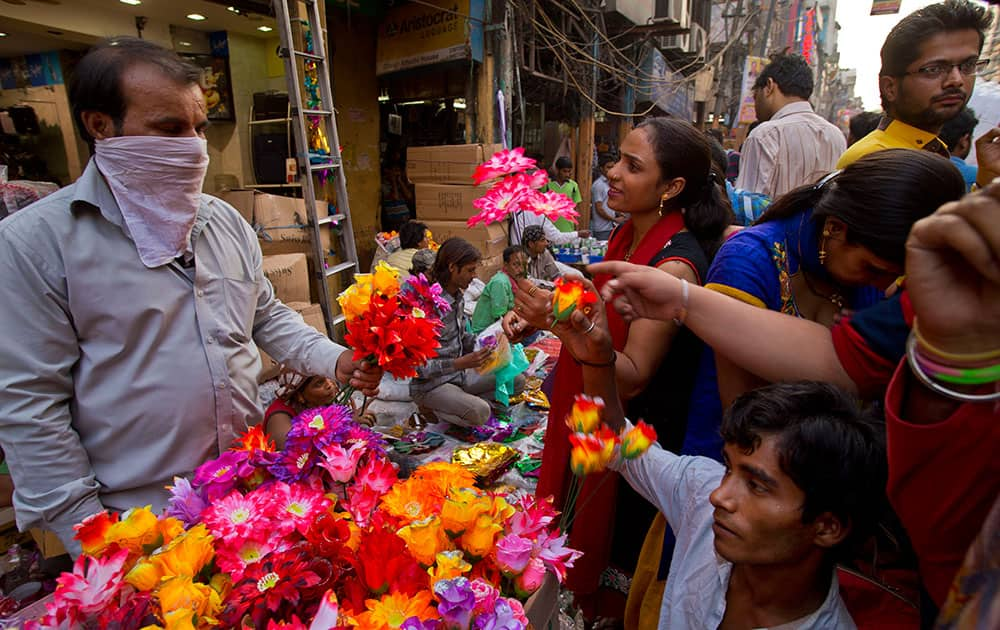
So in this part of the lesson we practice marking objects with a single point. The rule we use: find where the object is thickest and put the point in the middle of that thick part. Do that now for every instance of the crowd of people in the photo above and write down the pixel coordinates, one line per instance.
(812, 328)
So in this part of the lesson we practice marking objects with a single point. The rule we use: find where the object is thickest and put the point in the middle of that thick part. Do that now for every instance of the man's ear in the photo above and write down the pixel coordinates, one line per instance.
(830, 531)
(888, 87)
(99, 125)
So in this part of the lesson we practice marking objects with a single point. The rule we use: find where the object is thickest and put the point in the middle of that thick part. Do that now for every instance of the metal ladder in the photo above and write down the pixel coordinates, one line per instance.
(310, 164)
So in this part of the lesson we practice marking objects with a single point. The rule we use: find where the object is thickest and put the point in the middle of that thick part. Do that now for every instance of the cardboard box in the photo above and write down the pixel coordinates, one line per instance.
(488, 267)
(242, 200)
(312, 314)
(447, 202)
(48, 543)
(447, 164)
(290, 276)
(490, 240)
(278, 217)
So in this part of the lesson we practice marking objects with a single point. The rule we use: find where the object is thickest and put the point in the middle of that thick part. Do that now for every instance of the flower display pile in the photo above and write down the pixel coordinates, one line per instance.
(518, 180)
(570, 295)
(392, 326)
(318, 535)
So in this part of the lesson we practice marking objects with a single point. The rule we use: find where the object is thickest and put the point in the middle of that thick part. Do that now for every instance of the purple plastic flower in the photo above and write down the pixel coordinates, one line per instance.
(455, 602)
(321, 425)
(185, 502)
(296, 462)
(414, 623)
(513, 553)
(419, 292)
(218, 477)
(503, 617)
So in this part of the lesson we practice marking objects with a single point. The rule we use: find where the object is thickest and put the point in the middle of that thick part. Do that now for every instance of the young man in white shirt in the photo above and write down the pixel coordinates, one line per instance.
(602, 219)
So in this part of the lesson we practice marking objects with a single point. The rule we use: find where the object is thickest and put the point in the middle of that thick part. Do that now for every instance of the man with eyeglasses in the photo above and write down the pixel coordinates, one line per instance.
(929, 65)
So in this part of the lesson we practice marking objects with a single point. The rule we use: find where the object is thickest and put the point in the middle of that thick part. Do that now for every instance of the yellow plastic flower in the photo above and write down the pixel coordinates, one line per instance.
(144, 576)
(180, 619)
(448, 565)
(425, 539)
(186, 555)
(355, 299)
(638, 440)
(461, 509)
(385, 279)
(169, 528)
(591, 453)
(221, 584)
(585, 415)
(182, 592)
(479, 539)
(502, 510)
(136, 529)
(569, 295)
(395, 608)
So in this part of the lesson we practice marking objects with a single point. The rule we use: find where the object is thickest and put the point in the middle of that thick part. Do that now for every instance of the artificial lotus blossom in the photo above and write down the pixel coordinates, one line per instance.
(516, 190)
(568, 295)
(593, 442)
(637, 440)
(591, 452)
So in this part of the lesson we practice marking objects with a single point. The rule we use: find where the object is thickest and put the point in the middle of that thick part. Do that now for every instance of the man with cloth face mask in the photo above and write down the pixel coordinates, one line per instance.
(133, 306)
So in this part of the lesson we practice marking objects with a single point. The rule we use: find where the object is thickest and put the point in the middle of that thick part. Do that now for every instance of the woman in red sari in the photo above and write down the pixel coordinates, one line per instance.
(677, 218)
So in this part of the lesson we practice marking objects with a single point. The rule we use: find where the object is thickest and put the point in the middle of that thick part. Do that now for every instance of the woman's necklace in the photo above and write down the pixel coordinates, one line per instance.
(834, 297)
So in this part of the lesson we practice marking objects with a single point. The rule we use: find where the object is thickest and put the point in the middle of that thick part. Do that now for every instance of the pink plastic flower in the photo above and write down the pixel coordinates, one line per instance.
(531, 579)
(236, 517)
(329, 610)
(234, 559)
(553, 205)
(89, 589)
(361, 502)
(296, 506)
(536, 179)
(532, 516)
(339, 462)
(502, 163)
(486, 595)
(513, 553)
(502, 199)
(377, 474)
(552, 550)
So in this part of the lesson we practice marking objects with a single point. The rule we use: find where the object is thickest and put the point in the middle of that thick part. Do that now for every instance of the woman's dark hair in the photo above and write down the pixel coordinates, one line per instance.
(455, 251)
(96, 84)
(879, 198)
(411, 234)
(833, 451)
(683, 151)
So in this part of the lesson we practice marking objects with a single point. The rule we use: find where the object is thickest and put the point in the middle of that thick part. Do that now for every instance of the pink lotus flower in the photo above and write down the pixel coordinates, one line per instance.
(532, 517)
(339, 462)
(553, 205)
(90, 589)
(377, 474)
(502, 163)
(552, 550)
(513, 553)
(361, 502)
(531, 579)
(502, 199)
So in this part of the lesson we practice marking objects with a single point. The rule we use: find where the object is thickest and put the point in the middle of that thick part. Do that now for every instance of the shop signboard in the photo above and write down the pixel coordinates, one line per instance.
(669, 90)
(425, 33)
(31, 71)
(885, 7)
(752, 68)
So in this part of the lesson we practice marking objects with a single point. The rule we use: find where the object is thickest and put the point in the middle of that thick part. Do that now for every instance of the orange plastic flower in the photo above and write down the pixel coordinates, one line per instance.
(355, 299)
(182, 592)
(425, 539)
(591, 452)
(186, 554)
(501, 509)
(478, 540)
(385, 279)
(395, 608)
(445, 476)
(180, 619)
(585, 415)
(255, 439)
(137, 530)
(169, 528)
(448, 565)
(570, 295)
(92, 532)
(638, 440)
(461, 509)
(412, 500)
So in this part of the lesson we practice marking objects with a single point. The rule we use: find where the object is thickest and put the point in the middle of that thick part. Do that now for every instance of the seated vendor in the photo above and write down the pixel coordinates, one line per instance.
(448, 386)
(541, 264)
(497, 297)
(412, 238)
(296, 393)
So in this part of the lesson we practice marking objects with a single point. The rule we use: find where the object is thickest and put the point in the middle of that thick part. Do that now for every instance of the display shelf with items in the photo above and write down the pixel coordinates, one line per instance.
(582, 251)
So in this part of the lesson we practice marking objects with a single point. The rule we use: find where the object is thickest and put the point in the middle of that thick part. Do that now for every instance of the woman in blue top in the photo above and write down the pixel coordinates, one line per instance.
(817, 250)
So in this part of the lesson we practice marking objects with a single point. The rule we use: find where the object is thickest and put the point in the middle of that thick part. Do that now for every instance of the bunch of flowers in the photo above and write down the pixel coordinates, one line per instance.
(568, 295)
(387, 241)
(518, 180)
(396, 329)
(318, 535)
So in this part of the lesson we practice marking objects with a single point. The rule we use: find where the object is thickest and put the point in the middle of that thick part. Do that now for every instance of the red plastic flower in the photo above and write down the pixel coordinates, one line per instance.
(638, 440)
(383, 561)
(255, 439)
(502, 163)
(585, 415)
(569, 295)
(273, 588)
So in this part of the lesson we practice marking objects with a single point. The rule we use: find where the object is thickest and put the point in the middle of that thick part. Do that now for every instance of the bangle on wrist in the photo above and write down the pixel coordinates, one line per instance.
(917, 365)
(683, 310)
(608, 363)
(954, 359)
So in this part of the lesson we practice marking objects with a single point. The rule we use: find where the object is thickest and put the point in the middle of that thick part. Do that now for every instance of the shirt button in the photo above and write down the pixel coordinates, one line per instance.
(211, 340)
(201, 293)
(222, 386)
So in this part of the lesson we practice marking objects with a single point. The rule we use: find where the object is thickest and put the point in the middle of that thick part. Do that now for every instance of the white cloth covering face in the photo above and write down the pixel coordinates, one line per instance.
(157, 182)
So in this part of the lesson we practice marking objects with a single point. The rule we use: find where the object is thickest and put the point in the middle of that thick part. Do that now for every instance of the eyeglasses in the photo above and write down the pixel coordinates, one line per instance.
(934, 71)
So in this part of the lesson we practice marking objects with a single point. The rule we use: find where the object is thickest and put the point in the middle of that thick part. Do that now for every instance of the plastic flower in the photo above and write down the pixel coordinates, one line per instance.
(585, 415)
(447, 565)
(320, 426)
(217, 477)
(554, 205)
(637, 440)
(569, 295)
(185, 503)
(296, 506)
(235, 558)
(237, 517)
(89, 589)
(461, 509)
(552, 550)
(136, 530)
(486, 595)
(531, 579)
(456, 599)
(339, 462)
(329, 611)
(182, 592)
(92, 532)
(411, 500)
(395, 608)
(513, 553)
(421, 293)
(499, 201)
(504, 616)
(502, 163)
(534, 179)
(385, 279)
(273, 587)
(382, 561)
(378, 474)
(361, 503)
(533, 515)
(187, 554)
(255, 439)
(355, 299)
(444, 476)
(478, 540)
(591, 452)
(424, 539)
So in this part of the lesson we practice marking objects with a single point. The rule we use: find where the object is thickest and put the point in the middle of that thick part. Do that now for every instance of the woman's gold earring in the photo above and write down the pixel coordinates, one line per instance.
(663, 200)
(822, 247)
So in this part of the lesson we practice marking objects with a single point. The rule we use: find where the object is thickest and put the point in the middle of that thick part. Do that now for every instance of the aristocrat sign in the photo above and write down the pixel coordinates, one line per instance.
(425, 33)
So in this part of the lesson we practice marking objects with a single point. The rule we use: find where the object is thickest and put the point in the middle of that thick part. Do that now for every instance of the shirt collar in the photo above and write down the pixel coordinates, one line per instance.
(797, 107)
(908, 133)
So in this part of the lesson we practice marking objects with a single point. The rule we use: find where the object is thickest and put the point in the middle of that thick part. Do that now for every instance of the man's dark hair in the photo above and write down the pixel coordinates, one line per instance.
(902, 45)
(509, 252)
(605, 159)
(564, 162)
(454, 251)
(833, 451)
(411, 234)
(792, 74)
(716, 134)
(96, 84)
(958, 127)
(532, 233)
(863, 124)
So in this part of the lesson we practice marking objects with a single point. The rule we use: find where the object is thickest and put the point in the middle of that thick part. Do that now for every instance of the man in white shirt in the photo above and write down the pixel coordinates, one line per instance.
(602, 219)
(793, 146)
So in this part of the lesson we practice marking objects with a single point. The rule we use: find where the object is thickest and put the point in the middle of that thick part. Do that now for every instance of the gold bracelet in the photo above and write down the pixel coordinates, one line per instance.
(961, 359)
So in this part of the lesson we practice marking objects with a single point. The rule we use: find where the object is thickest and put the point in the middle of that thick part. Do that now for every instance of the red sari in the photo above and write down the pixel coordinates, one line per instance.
(595, 504)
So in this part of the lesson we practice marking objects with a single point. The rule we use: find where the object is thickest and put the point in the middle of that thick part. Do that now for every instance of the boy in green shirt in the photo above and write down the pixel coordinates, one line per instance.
(498, 294)
(563, 184)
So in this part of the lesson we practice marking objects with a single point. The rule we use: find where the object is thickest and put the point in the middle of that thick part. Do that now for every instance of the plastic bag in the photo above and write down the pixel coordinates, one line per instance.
(494, 338)
(505, 376)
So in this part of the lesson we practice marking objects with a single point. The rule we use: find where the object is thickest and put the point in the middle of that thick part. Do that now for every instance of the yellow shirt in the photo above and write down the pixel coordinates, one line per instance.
(892, 134)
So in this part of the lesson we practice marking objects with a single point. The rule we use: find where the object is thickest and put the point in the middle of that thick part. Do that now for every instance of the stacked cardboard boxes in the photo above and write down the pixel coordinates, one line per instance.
(444, 196)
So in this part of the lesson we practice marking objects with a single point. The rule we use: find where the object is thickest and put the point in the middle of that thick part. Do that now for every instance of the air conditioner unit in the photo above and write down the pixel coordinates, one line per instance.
(629, 11)
(678, 11)
(693, 43)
